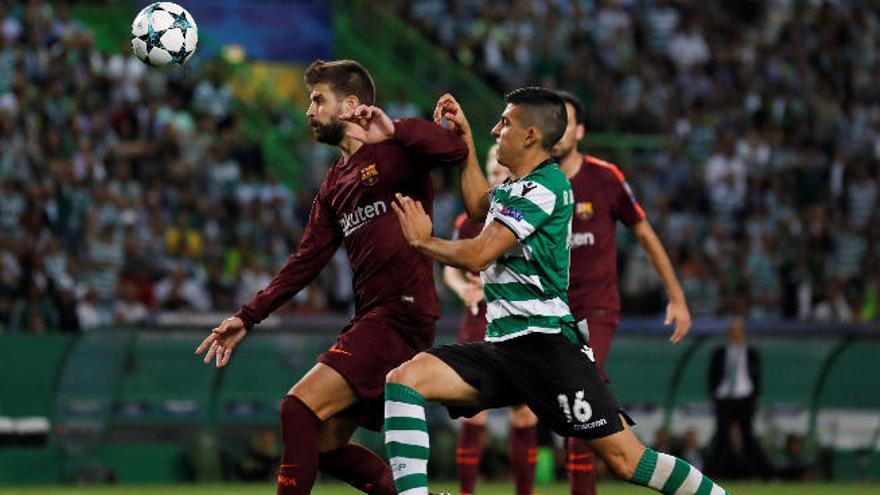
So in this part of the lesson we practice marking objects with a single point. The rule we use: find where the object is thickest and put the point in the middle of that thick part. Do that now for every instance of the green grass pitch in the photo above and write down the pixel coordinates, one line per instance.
(482, 489)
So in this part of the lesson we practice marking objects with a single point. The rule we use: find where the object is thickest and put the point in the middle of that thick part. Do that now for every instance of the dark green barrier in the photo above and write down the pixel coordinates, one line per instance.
(30, 465)
(29, 367)
(164, 382)
(148, 382)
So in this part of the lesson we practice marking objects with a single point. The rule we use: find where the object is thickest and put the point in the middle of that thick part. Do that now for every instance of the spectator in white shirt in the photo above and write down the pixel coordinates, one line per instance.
(726, 178)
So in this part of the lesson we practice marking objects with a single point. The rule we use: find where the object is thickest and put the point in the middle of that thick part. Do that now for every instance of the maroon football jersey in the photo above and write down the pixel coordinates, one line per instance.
(602, 197)
(353, 207)
(473, 326)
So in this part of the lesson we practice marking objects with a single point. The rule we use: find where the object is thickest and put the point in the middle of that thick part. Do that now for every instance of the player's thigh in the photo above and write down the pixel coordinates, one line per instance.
(434, 380)
(324, 391)
(621, 451)
(522, 417)
(336, 432)
(562, 386)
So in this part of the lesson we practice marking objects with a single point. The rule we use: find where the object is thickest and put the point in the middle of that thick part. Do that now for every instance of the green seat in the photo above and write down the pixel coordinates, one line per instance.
(692, 389)
(29, 365)
(144, 462)
(691, 405)
(641, 370)
(90, 377)
(791, 369)
(850, 382)
(164, 382)
(848, 405)
(30, 465)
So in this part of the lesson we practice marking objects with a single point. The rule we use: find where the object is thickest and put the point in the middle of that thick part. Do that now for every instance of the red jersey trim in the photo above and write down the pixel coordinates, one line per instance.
(592, 160)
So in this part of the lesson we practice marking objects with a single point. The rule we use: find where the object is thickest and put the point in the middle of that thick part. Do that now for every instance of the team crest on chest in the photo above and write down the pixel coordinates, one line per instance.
(584, 211)
(370, 175)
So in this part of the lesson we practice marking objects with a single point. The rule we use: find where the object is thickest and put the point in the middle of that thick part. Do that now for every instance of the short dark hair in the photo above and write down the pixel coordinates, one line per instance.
(345, 77)
(543, 109)
(579, 112)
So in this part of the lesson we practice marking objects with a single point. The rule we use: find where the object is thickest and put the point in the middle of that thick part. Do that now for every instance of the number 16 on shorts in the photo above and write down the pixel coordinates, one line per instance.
(576, 408)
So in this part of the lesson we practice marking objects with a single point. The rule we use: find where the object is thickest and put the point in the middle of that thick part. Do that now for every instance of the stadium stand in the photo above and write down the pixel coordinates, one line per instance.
(103, 162)
(762, 137)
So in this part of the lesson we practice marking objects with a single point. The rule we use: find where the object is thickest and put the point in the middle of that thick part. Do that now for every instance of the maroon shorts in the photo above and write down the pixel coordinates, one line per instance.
(371, 345)
(602, 326)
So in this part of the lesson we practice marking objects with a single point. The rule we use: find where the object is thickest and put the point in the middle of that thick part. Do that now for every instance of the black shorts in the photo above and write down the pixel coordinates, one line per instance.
(556, 378)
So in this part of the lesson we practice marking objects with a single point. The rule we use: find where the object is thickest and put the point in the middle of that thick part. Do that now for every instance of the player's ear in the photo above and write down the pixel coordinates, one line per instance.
(350, 102)
(533, 137)
(580, 132)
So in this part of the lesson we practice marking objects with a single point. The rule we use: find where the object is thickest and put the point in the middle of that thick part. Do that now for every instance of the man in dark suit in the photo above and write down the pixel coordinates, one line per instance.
(734, 385)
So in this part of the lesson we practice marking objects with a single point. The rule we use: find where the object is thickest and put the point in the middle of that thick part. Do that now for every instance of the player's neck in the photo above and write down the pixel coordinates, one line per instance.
(527, 164)
(571, 163)
(349, 147)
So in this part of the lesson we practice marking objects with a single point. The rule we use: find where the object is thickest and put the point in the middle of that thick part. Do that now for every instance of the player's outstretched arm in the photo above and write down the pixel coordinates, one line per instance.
(222, 340)
(320, 240)
(677, 311)
(471, 254)
(474, 186)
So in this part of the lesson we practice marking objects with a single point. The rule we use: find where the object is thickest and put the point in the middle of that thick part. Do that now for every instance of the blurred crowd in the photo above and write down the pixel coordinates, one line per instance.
(766, 194)
(126, 190)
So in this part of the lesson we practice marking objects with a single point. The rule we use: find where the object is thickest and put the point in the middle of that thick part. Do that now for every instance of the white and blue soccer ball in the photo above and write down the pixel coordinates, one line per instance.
(164, 33)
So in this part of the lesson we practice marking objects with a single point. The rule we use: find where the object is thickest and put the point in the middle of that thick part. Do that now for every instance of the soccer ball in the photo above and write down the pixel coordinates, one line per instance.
(164, 33)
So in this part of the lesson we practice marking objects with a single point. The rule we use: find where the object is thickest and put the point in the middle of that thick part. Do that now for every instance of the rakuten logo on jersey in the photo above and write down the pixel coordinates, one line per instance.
(579, 239)
(360, 216)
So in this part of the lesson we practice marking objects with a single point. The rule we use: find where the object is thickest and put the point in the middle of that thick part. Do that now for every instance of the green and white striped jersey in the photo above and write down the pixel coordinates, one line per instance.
(525, 288)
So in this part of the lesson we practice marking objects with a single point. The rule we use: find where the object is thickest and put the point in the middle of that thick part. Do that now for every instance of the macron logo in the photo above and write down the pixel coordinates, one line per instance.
(361, 215)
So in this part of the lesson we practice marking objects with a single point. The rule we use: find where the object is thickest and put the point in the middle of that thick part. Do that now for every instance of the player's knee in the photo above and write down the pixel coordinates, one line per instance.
(522, 417)
(407, 373)
(402, 375)
(395, 375)
(478, 419)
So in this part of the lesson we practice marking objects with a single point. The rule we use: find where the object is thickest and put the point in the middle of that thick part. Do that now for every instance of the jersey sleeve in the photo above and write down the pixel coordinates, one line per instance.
(626, 208)
(321, 238)
(528, 206)
(441, 146)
